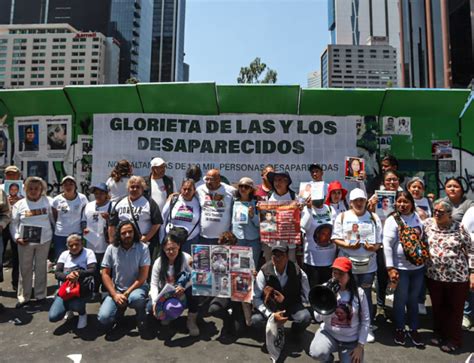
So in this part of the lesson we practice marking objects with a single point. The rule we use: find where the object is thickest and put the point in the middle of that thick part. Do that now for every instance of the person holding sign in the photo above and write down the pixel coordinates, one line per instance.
(362, 250)
(317, 173)
(290, 288)
(32, 212)
(264, 189)
(336, 197)
(245, 219)
(216, 199)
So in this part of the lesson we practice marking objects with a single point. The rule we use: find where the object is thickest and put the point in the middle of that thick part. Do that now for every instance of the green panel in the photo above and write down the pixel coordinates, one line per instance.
(340, 102)
(36, 102)
(259, 99)
(467, 126)
(179, 98)
(104, 99)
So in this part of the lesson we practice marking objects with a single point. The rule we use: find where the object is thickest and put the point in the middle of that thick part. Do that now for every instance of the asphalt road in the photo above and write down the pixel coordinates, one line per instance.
(34, 339)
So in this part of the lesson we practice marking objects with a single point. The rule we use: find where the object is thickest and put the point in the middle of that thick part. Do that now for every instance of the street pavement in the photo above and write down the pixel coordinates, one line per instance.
(26, 335)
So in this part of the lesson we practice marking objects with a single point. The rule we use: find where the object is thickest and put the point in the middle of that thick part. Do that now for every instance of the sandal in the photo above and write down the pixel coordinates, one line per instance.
(449, 348)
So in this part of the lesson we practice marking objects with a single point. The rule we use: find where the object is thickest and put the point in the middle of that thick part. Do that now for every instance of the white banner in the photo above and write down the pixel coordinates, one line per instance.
(238, 145)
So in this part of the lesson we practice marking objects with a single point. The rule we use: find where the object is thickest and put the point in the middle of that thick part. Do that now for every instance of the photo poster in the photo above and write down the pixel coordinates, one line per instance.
(305, 191)
(354, 168)
(441, 149)
(223, 271)
(279, 221)
(14, 188)
(385, 143)
(396, 125)
(385, 203)
(362, 232)
(240, 213)
(39, 142)
(32, 234)
(317, 190)
(83, 159)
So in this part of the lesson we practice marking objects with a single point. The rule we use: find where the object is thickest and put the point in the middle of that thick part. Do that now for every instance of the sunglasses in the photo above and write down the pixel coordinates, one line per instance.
(439, 212)
(244, 186)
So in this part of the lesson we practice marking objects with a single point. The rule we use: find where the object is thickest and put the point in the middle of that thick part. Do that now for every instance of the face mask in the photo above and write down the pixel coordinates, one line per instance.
(317, 203)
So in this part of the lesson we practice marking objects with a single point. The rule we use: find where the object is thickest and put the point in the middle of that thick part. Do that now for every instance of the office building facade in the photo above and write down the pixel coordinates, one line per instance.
(314, 79)
(55, 55)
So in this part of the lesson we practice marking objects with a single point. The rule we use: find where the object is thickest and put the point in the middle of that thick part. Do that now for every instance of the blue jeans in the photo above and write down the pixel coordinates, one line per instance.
(365, 281)
(406, 295)
(186, 246)
(324, 345)
(109, 311)
(256, 248)
(59, 243)
(59, 308)
(422, 295)
(468, 304)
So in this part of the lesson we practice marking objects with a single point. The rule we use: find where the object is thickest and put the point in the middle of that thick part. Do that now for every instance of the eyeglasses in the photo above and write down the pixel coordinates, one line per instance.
(439, 212)
(244, 186)
(171, 250)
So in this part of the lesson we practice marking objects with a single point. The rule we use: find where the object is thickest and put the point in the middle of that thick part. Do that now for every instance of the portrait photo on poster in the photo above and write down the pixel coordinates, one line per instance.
(28, 138)
(13, 188)
(57, 136)
(38, 168)
(388, 125)
(441, 149)
(354, 168)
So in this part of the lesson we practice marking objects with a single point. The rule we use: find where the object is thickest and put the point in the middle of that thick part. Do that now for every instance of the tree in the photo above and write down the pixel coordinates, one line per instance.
(252, 73)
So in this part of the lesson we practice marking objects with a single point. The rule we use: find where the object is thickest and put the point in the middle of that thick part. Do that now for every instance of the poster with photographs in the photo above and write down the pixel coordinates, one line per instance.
(317, 190)
(32, 234)
(441, 149)
(27, 138)
(396, 125)
(385, 143)
(305, 191)
(362, 232)
(280, 221)
(222, 271)
(354, 168)
(240, 213)
(322, 236)
(83, 159)
(385, 203)
(58, 134)
(14, 188)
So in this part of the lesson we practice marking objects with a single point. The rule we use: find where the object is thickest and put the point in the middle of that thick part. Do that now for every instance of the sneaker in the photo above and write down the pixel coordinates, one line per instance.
(370, 336)
(82, 322)
(466, 323)
(380, 314)
(422, 309)
(69, 315)
(400, 336)
(416, 339)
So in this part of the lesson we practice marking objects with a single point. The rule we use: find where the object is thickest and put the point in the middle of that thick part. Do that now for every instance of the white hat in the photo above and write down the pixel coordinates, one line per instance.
(157, 162)
(357, 194)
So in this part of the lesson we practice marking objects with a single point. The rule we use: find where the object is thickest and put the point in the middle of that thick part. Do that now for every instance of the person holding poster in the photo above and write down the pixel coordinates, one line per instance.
(248, 234)
(67, 211)
(288, 285)
(174, 267)
(264, 189)
(216, 201)
(319, 252)
(336, 197)
(117, 183)
(362, 251)
(317, 173)
(416, 187)
(183, 210)
(33, 210)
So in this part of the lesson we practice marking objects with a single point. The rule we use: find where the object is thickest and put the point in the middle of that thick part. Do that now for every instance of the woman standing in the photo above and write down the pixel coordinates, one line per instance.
(336, 197)
(346, 330)
(31, 227)
(245, 220)
(450, 272)
(455, 195)
(73, 265)
(408, 276)
(172, 265)
(117, 183)
(183, 210)
(416, 187)
(67, 211)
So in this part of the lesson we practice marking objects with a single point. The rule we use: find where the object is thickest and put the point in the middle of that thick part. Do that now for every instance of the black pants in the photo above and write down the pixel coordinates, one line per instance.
(219, 307)
(14, 258)
(317, 275)
(97, 277)
(382, 278)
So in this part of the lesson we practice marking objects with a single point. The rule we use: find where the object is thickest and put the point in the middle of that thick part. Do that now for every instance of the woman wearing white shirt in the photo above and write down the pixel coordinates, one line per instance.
(67, 211)
(32, 214)
(117, 183)
(409, 277)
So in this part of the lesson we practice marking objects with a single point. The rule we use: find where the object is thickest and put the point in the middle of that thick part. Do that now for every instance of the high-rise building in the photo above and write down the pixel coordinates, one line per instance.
(52, 55)
(168, 41)
(128, 21)
(314, 79)
(359, 66)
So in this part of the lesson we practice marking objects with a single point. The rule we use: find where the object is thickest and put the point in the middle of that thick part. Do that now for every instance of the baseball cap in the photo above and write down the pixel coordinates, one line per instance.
(315, 166)
(68, 177)
(357, 194)
(343, 264)
(12, 169)
(280, 246)
(99, 186)
(156, 162)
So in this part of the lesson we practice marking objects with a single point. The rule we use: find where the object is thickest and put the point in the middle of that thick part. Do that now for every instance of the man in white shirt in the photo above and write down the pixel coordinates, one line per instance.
(159, 185)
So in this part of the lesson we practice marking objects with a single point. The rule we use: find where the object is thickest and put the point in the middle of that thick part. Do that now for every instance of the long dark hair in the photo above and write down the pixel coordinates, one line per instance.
(406, 195)
(118, 238)
(457, 180)
(122, 169)
(354, 291)
(165, 262)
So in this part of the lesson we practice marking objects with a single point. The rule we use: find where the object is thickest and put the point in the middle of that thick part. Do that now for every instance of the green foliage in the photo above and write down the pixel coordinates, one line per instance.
(254, 71)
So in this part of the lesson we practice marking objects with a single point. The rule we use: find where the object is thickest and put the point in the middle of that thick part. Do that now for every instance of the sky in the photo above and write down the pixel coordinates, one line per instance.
(223, 35)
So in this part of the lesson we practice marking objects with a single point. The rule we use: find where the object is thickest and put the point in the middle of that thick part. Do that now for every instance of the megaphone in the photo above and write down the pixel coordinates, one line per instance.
(323, 297)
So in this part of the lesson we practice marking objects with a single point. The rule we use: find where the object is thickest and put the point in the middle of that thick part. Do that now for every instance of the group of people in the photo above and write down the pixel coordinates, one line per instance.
(135, 238)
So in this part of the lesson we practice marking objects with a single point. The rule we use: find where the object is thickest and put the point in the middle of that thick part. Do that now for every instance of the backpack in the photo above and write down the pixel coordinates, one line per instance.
(414, 247)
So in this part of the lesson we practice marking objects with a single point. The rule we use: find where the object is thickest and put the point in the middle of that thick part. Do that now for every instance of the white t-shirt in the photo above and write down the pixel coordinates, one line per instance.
(216, 209)
(29, 213)
(318, 248)
(96, 226)
(363, 228)
(117, 189)
(146, 213)
(274, 197)
(86, 257)
(393, 250)
(468, 221)
(339, 207)
(69, 214)
(184, 214)
(158, 192)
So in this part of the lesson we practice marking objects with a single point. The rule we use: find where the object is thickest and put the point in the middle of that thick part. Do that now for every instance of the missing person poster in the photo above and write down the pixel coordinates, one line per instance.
(222, 271)
(280, 221)
(354, 168)
(441, 149)
(385, 203)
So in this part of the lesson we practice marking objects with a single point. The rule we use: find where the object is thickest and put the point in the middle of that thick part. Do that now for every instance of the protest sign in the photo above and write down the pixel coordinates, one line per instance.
(222, 271)
(280, 221)
(354, 168)
(385, 203)
(238, 145)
